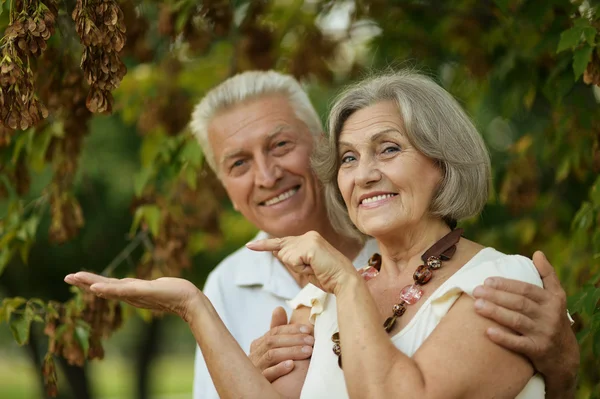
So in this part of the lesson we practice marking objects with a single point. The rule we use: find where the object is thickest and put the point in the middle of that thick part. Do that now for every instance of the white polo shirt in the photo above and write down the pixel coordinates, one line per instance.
(244, 289)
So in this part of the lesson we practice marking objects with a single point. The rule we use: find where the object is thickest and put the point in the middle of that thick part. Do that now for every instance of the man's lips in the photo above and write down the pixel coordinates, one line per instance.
(280, 197)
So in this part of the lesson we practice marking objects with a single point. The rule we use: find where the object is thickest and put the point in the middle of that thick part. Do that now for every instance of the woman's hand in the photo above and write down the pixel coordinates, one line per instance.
(174, 295)
(311, 255)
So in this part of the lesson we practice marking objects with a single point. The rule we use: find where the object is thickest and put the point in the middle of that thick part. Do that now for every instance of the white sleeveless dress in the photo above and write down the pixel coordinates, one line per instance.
(326, 380)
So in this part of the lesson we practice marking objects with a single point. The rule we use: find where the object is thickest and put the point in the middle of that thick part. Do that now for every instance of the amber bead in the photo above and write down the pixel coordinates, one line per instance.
(337, 349)
(336, 337)
(375, 261)
(340, 361)
(422, 275)
(399, 309)
(434, 262)
(389, 323)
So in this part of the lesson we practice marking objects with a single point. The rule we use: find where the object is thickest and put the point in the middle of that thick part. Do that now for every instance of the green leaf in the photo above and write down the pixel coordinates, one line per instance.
(595, 192)
(82, 334)
(591, 301)
(152, 217)
(576, 302)
(2, 6)
(9, 305)
(150, 214)
(24, 250)
(190, 175)
(6, 255)
(584, 217)
(140, 180)
(589, 33)
(569, 38)
(20, 326)
(192, 153)
(581, 59)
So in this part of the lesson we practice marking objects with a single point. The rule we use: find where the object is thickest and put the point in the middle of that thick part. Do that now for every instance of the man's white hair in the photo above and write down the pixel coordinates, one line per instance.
(247, 86)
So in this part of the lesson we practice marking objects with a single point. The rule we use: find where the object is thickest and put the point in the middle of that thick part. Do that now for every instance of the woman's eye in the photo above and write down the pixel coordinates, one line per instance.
(348, 158)
(391, 149)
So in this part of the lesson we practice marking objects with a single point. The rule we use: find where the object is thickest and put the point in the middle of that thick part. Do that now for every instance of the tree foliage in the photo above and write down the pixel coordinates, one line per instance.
(527, 71)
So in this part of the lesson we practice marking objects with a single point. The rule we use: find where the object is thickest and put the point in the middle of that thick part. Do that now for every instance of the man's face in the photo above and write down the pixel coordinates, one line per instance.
(262, 151)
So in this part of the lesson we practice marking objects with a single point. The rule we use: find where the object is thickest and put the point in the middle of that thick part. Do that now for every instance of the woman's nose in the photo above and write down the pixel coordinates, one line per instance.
(367, 172)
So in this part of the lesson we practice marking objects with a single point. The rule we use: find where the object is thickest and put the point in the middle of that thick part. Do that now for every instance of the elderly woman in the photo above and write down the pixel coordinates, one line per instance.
(402, 164)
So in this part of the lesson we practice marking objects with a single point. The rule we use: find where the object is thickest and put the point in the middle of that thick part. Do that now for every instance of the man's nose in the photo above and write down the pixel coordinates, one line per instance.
(268, 174)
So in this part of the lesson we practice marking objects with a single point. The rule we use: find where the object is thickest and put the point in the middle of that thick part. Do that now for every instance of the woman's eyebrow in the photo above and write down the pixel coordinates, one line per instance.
(384, 133)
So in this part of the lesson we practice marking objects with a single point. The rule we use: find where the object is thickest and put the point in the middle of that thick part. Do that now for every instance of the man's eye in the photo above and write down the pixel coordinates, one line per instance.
(281, 143)
(237, 163)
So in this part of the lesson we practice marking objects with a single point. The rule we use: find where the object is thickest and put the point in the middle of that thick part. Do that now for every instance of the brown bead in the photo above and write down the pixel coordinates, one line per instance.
(389, 323)
(336, 337)
(422, 275)
(340, 361)
(337, 349)
(375, 261)
(399, 309)
(434, 262)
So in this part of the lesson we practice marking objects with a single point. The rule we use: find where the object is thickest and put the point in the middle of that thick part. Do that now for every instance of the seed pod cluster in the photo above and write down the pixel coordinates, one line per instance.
(101, 28)
(32, 24)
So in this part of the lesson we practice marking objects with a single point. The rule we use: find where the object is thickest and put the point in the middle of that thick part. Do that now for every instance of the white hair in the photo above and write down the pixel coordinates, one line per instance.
(244, 87)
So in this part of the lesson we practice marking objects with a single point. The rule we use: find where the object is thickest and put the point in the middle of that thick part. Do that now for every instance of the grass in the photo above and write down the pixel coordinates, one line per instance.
(112, 378)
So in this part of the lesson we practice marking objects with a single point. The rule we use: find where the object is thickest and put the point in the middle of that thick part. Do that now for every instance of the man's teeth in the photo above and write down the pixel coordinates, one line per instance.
(281, 197)
(376, 198)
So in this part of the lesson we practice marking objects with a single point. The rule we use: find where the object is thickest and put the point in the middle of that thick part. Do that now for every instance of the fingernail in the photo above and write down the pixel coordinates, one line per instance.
(288, 364)
(490, 282)
(492, 331)
(307, 349)
(478, 291)
(309, 340)
(304, 329)
(479, 304)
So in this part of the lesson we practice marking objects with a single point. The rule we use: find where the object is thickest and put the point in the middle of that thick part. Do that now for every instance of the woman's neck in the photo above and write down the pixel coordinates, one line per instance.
(404, 250)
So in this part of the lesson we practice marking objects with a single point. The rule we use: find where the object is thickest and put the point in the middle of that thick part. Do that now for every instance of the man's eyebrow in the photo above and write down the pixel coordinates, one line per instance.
(278, 129)
(231, 154)
(236, 153)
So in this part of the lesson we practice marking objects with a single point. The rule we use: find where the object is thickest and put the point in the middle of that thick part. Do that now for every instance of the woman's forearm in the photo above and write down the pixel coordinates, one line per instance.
(231, 370)
(369, 357)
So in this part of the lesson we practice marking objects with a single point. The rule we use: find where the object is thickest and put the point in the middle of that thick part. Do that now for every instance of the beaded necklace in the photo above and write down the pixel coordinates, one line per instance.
(432, 259)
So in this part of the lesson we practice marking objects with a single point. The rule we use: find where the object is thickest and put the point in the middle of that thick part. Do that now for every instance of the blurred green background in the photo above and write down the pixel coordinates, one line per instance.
(128, 193)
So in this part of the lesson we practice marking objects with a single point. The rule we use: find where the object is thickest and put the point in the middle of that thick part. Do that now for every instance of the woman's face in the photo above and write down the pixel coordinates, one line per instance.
(386, 183)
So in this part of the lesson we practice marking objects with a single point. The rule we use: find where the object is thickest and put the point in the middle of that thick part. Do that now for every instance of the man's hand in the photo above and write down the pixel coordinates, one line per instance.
(273, 353)
(540, 327)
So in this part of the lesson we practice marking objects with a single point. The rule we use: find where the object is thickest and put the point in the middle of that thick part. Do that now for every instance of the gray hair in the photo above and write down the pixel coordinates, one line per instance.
(247, 86)
(435, 124)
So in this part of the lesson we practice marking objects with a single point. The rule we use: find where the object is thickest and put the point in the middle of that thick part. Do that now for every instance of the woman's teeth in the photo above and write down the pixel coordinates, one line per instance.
(376, 198)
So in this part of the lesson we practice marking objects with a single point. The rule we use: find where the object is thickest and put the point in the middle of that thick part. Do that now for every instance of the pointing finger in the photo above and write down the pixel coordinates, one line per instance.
(270, 244)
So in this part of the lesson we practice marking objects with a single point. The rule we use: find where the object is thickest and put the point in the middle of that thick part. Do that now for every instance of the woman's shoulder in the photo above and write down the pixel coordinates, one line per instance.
(490, 262)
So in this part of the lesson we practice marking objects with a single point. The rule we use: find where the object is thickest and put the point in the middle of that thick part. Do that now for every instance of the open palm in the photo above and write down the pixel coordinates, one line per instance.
(166, 294)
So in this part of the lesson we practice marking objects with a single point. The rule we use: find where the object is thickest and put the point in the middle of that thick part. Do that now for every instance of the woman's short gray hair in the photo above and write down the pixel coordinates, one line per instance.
(247, 86)
(435, 124)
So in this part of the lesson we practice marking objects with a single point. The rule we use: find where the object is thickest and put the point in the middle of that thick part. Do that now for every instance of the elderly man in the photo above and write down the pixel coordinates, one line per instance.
(257, 131)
